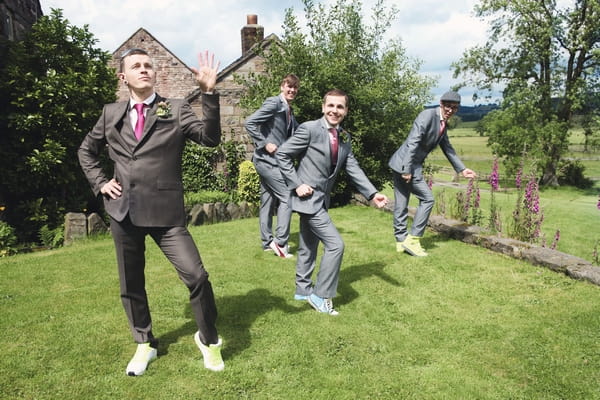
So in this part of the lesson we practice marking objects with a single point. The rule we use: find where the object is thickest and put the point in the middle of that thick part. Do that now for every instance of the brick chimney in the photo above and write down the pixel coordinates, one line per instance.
(252, 33)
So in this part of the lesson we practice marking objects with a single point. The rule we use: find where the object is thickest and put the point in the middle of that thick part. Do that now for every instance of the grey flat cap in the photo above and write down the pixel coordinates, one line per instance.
(451, 96)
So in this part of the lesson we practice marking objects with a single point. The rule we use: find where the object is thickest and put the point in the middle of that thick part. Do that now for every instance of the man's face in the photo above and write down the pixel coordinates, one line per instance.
(335, 109)
(448, 108)
(289, 92)
(138, 72)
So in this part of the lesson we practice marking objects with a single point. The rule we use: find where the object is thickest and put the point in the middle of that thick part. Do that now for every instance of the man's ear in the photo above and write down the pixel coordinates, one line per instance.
(122, 78)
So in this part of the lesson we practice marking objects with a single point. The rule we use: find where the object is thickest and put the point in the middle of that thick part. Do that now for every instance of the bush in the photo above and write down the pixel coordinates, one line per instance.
(205, 196)
(211, 168)
(7, 238)
(248, 185)
(571, 173)
(52, 237)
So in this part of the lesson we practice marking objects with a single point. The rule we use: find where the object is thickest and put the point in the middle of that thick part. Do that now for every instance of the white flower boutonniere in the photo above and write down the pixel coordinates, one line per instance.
(164, 109)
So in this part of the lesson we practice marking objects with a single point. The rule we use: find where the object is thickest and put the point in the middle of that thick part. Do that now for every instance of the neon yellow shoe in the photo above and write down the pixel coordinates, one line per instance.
(211, 354)
(399, 247)
(142, 357)
(412, 245)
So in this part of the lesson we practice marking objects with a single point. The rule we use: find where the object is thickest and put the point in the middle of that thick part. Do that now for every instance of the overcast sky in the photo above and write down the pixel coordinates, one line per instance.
(435, 32)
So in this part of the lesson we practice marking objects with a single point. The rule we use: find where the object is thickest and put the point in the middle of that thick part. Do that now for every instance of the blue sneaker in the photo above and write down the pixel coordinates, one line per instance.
(300, 297)
(322, 305)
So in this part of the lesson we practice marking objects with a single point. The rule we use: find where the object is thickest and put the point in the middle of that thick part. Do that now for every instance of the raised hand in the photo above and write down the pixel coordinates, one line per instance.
(206, 73)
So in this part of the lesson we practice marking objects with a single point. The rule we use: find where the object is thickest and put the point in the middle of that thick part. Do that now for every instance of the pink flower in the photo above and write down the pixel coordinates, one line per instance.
(494, 176)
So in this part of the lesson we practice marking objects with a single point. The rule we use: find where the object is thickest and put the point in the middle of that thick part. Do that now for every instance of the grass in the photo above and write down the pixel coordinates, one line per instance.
(463, 323)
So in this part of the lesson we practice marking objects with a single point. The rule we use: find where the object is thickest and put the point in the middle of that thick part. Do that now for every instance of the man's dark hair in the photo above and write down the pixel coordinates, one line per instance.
(128, 53)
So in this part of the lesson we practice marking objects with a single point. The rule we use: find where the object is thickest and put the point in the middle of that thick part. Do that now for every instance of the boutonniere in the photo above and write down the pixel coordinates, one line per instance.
(164, 109)
(344, 136)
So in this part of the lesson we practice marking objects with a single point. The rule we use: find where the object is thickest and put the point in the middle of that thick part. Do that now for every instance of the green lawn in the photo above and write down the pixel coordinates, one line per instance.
(463, 323)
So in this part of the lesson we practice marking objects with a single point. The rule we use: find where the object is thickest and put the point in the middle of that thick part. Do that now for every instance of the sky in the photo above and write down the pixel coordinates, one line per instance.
(432, 31)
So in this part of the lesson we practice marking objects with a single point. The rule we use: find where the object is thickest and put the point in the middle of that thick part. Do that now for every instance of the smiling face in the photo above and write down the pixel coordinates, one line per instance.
(289, 91)
(335, 109)
(138, 74)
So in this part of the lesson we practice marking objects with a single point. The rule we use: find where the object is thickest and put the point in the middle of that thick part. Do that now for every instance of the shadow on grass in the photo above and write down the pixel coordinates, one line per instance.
(236, 316)
(356, 273)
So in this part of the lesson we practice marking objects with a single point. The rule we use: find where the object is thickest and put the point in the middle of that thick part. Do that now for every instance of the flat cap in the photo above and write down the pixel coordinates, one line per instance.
(451, 96)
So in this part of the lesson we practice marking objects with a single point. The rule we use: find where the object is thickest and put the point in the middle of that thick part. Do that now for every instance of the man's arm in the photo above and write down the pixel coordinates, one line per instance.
(89, 157)
(254, 122)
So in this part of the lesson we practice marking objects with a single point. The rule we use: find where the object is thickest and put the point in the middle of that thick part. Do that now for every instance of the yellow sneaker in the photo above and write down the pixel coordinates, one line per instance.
(399, 247)
(142, 357)
(412, 245)
(211, 354)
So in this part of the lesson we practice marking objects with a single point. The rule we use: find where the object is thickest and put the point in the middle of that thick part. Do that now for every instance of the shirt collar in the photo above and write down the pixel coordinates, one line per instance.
(147, 101)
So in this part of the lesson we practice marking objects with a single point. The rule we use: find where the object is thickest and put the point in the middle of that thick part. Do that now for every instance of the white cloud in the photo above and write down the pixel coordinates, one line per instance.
(435, 32)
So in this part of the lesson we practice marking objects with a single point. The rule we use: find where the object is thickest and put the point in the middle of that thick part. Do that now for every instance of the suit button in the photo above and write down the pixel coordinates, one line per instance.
(134, 158)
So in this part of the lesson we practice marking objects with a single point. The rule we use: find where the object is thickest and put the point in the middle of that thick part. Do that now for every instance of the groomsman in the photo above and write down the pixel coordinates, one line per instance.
(270, 126)
(428, 131)
(145, 137)
(322, 148)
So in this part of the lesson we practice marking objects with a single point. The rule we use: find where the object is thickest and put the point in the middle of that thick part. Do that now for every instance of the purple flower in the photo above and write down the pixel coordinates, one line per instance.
(598, 205)
(494, 176)
(556, 239)
(518, 178)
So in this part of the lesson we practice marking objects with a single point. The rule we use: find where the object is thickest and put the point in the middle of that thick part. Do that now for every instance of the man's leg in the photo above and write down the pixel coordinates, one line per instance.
(401, 197)
(265, 215)
(129, 247)
(179, 247)
(333, 251)
(307, 255)
(421, 190)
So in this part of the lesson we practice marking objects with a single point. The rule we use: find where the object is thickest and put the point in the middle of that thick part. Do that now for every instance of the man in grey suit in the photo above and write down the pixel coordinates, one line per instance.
(270, 126)
(145, 137)
(428, 131)
(322, 149)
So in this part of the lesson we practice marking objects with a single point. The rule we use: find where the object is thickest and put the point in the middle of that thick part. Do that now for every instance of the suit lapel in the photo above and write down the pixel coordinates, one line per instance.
(122, 124)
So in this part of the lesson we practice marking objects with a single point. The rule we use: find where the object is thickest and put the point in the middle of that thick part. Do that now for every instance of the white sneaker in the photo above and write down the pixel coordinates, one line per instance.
(211, 354)
(280, 251)
(142, 357)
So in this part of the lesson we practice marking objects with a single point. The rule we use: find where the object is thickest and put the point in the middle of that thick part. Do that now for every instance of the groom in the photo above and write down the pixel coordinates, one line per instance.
(145, 137)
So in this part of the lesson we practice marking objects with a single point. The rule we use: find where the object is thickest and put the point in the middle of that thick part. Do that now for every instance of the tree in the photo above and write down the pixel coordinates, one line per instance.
(547, 59)
(54, 84)
(337, 50)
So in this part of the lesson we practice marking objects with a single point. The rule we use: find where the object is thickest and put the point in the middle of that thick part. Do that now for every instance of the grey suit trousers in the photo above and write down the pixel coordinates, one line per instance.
(314, 228)
(179, 248)
(402, 191)
(273, 189)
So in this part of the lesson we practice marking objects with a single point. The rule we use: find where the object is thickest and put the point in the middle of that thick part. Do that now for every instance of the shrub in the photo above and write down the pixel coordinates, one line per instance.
(571, 173)
(52, 237)
(248, 186)
(205, 196)
(7, 238)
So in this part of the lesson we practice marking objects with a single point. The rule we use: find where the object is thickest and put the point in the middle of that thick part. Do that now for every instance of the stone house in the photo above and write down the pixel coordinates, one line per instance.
(176, 80)
(17, 17)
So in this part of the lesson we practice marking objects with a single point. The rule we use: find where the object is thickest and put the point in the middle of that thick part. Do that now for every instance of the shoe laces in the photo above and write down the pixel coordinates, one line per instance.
(328, 304)
(142, 353)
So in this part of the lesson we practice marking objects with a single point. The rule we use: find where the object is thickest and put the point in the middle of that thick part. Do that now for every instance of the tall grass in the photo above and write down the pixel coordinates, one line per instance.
(463, 323)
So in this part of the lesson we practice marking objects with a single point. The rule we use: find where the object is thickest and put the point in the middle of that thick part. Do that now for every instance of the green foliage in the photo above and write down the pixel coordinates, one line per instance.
(7, 238)
(52, 237)
(571, 172)
(205, 196)
(546, 60)
(337, 49)
(211, 168)
(54, 84)
(248, 187)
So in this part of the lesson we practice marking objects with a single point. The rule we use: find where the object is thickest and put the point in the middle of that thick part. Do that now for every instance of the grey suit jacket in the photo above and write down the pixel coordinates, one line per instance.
(149, 171)
(422, 139)
(310, 145)
(269, 124)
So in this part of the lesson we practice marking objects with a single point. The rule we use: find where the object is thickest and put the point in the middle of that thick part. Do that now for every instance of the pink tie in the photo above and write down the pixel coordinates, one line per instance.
(442, 126)
(139, 125)
(333, 141)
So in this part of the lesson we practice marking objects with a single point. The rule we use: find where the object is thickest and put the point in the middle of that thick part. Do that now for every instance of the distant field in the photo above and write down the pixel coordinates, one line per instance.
(476, 154)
